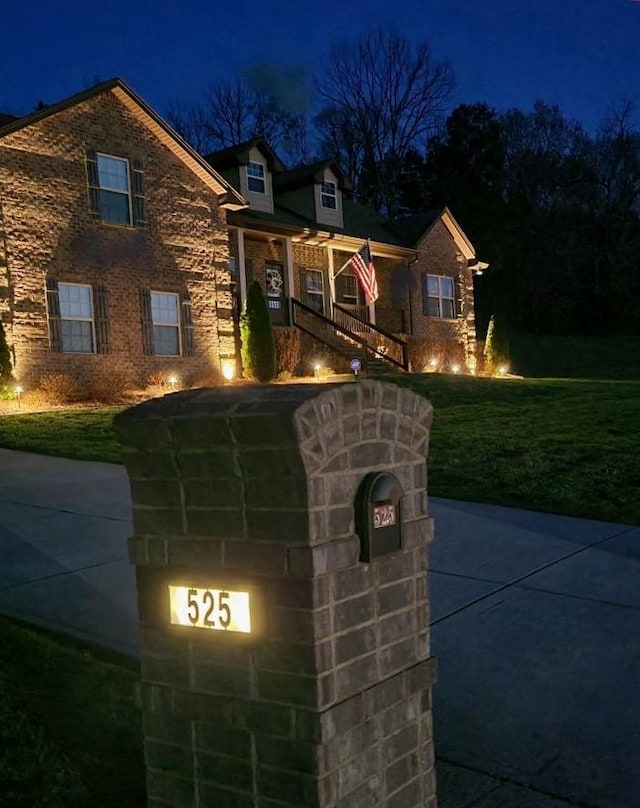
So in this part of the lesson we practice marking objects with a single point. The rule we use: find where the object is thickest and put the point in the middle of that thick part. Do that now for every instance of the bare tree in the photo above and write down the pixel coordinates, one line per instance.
(392, 95)
(236, 111)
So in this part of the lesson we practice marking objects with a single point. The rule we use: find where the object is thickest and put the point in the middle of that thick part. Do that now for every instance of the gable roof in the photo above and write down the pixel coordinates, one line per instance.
(229, 197)
(5, 119)
(311, 175)
(240, 153)
(417, 226)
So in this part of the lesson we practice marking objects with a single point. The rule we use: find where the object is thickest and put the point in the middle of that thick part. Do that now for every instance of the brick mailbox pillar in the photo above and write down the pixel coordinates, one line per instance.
(281, 538)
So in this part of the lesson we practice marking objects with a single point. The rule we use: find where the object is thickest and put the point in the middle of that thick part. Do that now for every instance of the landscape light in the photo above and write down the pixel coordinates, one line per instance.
(18, 389)
(433, 363)
(229, 369)
(455, 368)
(173, 381)
(503, 370)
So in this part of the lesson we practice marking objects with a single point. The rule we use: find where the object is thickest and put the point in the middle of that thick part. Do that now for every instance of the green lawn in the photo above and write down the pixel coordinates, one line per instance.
(70, 733)
(564, 446)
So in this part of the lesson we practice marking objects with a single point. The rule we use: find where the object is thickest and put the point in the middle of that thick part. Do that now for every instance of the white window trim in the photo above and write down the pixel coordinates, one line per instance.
(263, 178)
(102, 187)
(167, 325)
(80, 319)
(440, 297)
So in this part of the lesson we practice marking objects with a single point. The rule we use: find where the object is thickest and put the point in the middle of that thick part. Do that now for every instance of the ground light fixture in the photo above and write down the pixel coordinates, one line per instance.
(433, 363)
(503, 370)
(229, 369)
(455, 368)
(173, 381)
(18, 390)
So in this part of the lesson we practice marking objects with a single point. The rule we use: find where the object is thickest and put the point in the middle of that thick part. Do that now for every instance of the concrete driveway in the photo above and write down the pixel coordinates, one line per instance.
(536, 626)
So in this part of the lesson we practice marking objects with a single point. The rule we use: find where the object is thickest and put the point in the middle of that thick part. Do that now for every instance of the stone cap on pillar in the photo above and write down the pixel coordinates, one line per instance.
(263, 479)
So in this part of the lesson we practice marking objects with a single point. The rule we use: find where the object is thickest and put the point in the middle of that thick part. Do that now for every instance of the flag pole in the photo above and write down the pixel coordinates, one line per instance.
(348, 261)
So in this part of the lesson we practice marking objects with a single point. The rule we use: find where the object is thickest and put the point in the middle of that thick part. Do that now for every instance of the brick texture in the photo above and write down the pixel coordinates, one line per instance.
(46, 231)
(329, 706)
(400, 308)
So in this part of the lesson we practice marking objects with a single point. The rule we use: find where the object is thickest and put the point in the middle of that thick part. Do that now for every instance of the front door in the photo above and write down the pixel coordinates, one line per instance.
(276, 293)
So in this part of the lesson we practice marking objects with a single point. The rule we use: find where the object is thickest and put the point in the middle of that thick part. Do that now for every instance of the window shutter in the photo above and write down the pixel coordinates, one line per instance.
(186, 322)
(55, 321)
(101, 318)
(458, 291)
(248, 271)
(139, 201)
(147, 322)
(93, 182)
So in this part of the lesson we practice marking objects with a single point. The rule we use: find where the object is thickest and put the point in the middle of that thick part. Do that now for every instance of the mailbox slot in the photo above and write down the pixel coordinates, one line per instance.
(378, 515)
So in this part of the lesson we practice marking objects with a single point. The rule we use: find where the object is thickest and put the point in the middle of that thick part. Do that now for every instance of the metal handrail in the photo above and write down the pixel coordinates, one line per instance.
(392, 348)
(344, 331)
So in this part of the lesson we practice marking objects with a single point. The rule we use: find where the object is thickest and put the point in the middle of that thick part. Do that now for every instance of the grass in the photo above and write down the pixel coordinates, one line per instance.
(84, 434)
(563, 446)
(69, 731)
(576, 357)
(70, 734)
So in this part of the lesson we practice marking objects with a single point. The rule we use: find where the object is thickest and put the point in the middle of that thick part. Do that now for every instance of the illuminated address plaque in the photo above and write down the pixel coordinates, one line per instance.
(216, 609)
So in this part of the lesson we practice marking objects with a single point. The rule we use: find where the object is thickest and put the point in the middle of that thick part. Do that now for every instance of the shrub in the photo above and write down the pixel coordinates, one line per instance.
(288, 345)
(6, 375)
(207, 378)
(258, 351)
(424, 351)
(496, 348)
(59, 388)
(109, 388)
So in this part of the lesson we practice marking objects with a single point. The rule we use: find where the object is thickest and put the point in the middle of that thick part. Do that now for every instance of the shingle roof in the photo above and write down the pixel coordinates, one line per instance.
(309, 175)
(239, 155)
(411, 228)
(359, 222)
(6, 119)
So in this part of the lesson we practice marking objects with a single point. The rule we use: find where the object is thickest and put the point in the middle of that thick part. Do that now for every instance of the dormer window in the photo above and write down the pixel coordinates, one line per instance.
(255, 178)
(328, 195)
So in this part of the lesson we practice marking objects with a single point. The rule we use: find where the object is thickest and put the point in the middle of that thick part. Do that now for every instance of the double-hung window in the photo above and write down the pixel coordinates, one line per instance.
(166, 323)
(76, 318)
(329, 195)
(439, 298)
(114, 193)
(255, 178)
(313, 289)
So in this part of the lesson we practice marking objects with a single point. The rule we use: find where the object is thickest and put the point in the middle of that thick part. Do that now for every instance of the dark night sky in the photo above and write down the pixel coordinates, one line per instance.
(581, 54)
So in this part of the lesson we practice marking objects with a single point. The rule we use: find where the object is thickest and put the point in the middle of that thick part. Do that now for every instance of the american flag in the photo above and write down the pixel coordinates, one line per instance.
(362, 266)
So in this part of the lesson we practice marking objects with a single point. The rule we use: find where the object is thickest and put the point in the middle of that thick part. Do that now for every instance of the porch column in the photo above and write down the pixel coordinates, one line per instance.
(288, 261)
(331, 279)
(242, 272)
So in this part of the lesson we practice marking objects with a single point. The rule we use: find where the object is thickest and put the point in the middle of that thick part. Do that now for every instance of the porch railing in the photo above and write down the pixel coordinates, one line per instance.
(379, 342)
(348, 333)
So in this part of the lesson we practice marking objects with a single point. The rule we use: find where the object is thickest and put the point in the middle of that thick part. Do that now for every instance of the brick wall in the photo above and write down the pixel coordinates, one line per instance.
(46, 231)
(449, 340)
(331, 705)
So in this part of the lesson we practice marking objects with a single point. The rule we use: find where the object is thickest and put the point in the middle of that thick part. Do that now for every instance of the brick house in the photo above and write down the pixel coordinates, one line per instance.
(296, 237)
(113, 244)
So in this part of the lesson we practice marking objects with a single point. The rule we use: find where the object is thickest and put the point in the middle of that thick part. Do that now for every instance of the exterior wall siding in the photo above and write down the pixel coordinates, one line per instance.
(48, 232)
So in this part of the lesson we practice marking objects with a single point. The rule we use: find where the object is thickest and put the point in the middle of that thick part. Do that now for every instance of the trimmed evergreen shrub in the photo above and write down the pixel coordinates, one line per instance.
(258, 351)
(496, 348)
